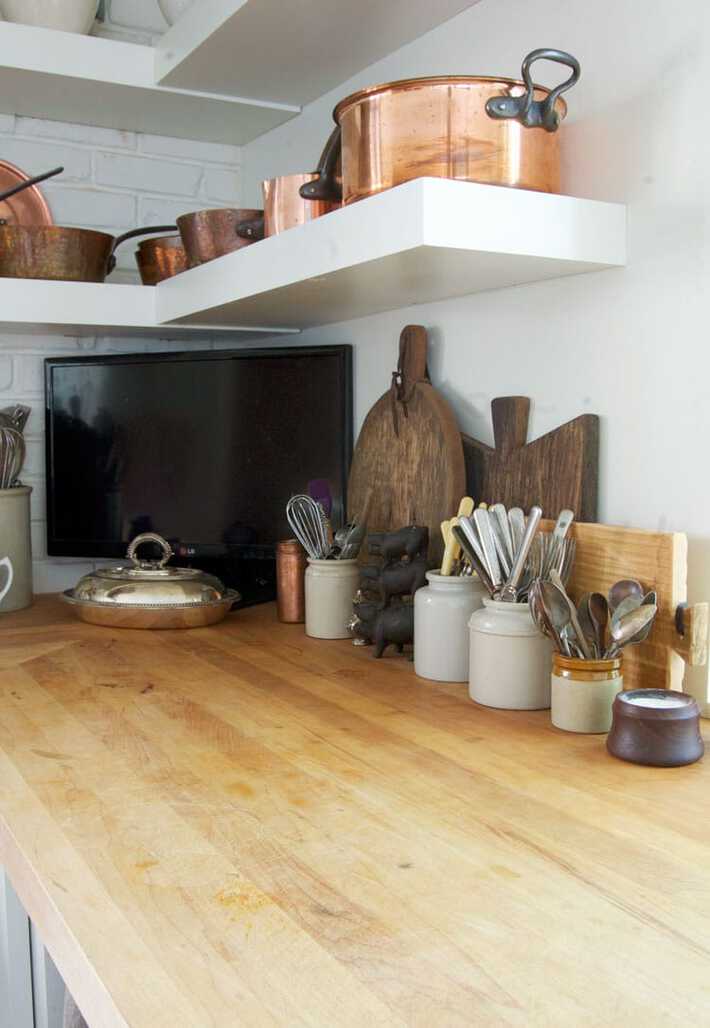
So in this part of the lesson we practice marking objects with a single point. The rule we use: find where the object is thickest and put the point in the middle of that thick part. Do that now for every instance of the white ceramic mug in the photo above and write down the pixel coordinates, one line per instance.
(64, 15)
(6, 563)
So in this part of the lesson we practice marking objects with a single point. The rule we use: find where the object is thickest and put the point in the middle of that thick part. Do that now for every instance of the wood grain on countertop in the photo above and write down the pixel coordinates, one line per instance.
(242, 826)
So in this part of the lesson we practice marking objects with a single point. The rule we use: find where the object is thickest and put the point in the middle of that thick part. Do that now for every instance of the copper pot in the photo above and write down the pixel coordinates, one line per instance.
(61, 254)
(284, 207)
(160, 258)
(498, 131)
(214, 233)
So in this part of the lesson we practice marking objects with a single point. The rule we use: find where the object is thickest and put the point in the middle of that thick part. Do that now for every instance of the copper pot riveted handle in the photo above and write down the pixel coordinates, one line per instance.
(252, 229)
(326, 186)
(150, 537)
(530, 112)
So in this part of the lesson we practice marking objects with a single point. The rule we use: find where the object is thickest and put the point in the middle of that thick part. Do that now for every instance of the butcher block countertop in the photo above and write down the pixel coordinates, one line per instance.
(242, 826)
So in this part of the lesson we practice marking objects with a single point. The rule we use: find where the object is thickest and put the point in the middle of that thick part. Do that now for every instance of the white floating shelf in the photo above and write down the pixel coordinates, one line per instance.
(67, 77)
(426, 240)
(289, 52)
(90, 308)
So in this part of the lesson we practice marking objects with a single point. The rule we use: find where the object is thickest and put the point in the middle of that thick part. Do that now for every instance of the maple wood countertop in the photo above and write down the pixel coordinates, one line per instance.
(242, 826)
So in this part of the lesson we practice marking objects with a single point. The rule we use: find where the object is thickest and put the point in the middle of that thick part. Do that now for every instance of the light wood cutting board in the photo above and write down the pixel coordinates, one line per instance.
(659, 560)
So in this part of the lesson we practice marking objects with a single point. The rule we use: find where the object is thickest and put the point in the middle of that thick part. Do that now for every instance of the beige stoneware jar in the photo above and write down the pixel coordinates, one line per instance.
(330, 588)
(509, 661)
(15, 545)
(442, 610)
(583, 692)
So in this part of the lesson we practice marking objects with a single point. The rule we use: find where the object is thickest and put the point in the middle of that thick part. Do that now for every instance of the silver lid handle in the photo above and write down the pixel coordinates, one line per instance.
(150, 537)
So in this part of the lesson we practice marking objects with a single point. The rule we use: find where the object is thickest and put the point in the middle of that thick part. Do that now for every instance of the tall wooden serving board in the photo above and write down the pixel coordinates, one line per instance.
(559, 470)
(409, 451)
(659, 560)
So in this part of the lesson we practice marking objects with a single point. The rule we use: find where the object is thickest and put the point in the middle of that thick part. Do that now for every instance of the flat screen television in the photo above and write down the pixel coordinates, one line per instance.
(204, 448)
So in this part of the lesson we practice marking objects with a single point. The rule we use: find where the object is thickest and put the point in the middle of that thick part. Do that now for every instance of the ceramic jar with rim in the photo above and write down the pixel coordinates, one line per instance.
(442, 610)
(15, 544)
(330, 588)
(583, 692)
(509, 659)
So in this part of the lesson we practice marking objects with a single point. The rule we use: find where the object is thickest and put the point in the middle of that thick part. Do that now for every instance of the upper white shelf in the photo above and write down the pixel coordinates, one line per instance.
(430, 239)
(289, 52)
(227, 72)
(67, 77)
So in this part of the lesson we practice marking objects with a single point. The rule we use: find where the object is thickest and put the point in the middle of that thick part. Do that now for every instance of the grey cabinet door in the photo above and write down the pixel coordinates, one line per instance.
(16, 1003)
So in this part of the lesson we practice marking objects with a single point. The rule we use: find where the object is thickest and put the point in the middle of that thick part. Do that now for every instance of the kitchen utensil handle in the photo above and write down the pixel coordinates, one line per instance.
(251, 229)
(521, 556)
(30, 182)
(148, 230)
(326, 186)
(150, 537)
(481, 519)
(526, 109)
(510, 415)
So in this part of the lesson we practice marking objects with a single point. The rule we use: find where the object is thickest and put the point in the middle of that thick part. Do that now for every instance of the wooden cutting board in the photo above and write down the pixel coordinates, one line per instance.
(409, 451)
(556, 471)
(658, 560)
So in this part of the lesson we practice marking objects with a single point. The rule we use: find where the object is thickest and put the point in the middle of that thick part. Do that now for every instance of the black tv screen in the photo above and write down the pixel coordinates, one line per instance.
(204, 448)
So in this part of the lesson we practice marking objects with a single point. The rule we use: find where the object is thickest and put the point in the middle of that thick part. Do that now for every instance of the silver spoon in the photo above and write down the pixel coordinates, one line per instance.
(631, 625)
(620, 590)
(558, 583)
(586, 623)
(556, 609)
(599, 613)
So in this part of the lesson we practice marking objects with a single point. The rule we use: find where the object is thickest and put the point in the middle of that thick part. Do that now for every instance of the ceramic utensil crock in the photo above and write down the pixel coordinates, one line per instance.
(442, 610)
(582, 693)
(330, 587)
(658, 727)
(16, 547)
(509, 660)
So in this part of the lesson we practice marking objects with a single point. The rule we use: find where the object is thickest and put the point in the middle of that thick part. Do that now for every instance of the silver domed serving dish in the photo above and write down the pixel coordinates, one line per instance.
(149, 594)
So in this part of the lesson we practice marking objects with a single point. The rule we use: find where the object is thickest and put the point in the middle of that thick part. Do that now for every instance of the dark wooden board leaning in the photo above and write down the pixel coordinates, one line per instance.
(558, 470)
(410, 451)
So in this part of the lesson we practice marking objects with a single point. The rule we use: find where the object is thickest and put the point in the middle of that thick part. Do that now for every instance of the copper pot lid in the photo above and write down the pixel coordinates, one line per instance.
(149, 583)
(29, 207)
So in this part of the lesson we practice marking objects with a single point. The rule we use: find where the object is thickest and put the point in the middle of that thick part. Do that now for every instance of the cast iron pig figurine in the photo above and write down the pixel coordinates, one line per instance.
(411, 541)
(362, 623)
(394, 626)
(400, 579)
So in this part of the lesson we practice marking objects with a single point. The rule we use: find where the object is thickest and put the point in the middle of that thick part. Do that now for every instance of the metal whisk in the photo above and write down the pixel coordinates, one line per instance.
(308, 523)
(12, 457)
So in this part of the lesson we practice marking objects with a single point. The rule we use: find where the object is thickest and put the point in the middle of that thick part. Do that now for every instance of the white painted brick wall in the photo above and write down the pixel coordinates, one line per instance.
(114, 181)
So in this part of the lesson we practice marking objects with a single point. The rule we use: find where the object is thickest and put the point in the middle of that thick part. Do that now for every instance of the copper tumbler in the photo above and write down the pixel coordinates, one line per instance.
(290, 582)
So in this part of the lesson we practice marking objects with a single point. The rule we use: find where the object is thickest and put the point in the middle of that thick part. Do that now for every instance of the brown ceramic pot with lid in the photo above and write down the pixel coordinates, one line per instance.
(493, 130)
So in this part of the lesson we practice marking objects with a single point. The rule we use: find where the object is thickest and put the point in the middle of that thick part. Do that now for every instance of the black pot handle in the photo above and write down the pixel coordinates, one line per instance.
(326, 186)
(149, 230)
(253, 229)
(530, 112)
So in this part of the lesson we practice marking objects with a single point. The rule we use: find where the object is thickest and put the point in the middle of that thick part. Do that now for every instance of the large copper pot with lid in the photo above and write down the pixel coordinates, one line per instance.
(498, 131)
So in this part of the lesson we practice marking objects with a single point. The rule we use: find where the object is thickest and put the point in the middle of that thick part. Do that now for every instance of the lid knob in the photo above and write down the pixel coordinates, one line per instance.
(149, 537)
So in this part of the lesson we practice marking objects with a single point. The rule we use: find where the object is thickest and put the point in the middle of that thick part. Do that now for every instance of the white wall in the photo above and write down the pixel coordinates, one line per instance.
(113, 181)
(630, 345)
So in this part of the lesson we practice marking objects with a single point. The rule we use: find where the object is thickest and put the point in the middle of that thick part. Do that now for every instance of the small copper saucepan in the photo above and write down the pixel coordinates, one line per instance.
(214, 233)
(160, 258)
(62, 254)
(284, 207)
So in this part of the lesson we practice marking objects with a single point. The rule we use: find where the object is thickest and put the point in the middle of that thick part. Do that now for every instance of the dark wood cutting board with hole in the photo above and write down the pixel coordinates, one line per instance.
(558, 470)
(409, 451)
